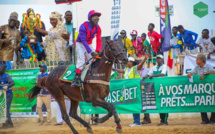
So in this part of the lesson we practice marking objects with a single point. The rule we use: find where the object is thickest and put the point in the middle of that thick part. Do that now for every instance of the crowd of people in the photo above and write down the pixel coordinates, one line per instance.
(58, 40)
(56, 46)
(182, 42)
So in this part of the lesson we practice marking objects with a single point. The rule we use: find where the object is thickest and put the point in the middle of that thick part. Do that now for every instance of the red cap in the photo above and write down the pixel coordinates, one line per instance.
(93, 12)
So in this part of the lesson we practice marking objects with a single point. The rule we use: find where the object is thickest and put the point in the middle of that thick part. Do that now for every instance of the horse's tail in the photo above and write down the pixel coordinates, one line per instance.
(36, 89)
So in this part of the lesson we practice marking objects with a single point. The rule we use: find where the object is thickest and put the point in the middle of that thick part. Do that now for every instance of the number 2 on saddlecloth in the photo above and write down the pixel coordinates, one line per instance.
(68, 74)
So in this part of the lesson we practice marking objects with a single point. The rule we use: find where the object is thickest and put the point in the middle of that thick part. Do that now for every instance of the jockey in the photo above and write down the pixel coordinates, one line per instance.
(87, 31)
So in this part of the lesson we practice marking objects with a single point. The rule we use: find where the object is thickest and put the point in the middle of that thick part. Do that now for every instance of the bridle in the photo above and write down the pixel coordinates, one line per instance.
(114, 59)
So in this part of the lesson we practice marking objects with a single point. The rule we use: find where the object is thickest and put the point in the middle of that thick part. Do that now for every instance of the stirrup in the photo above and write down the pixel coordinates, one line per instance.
(76, 83)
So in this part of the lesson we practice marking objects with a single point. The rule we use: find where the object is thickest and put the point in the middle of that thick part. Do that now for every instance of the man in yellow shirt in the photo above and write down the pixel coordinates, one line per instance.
(128, 46)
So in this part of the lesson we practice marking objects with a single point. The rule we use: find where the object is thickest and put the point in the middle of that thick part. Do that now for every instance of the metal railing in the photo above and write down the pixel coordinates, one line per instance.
(35, 64)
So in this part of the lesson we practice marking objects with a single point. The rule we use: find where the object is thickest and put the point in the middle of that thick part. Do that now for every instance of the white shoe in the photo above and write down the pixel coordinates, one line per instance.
(134, 125)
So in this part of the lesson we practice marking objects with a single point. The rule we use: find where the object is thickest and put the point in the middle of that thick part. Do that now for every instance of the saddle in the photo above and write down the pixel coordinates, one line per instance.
(69, 74)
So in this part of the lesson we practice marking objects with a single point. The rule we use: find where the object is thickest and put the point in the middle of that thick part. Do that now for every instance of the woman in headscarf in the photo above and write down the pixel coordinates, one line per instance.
(54, 44)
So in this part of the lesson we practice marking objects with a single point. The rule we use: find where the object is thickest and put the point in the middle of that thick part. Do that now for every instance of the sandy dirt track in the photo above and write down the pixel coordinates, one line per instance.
(176, 126)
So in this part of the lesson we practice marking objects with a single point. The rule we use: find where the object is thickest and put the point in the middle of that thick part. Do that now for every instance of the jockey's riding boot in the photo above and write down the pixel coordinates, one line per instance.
(76, 80)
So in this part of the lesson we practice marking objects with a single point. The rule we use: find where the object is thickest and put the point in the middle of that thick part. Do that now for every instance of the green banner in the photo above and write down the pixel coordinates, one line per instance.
(159, 95)
(24, 80)
(124, 94)
(2, 106)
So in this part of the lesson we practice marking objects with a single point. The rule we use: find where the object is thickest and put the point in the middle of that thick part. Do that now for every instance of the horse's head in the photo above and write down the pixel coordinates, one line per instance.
(114, 53)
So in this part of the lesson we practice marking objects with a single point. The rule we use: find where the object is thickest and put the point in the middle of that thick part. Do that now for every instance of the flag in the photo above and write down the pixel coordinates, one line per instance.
(165, 26)
(170, 59)
(115, 19)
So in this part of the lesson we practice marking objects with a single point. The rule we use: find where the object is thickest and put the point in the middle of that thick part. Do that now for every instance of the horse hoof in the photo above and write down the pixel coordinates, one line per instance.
(89, 130)
(119, 129)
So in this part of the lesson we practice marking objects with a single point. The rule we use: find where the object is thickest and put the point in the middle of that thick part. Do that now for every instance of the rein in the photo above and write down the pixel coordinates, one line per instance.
(103, 57)
(114, 57)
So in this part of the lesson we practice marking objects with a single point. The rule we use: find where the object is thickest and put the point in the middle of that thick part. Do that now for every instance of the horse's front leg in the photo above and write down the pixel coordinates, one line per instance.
(111, 111)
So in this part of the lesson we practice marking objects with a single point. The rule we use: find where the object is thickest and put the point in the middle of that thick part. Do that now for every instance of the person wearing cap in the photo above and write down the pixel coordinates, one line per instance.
(130, 72)
(7, 82)
(154, 38)
(39, 35)
(203, 69)
(137, 43)
(159, 70)
(188, 40)
(87, 31)
(9, 43)
(43, 97)
(54, 44)
(128, 46)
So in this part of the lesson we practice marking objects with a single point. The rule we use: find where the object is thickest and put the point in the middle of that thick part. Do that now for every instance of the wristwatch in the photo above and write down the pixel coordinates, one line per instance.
(204, 73)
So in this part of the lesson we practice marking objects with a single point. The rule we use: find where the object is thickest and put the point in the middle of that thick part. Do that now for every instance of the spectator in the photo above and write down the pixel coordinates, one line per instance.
(144, 71)
(137, 43)
(30, 51)
(160, 70)
(132, 71)
(69, 26)
(148, 50)
(203, 69)
(128, 46)
(39, 35)
(7, 82)
(69, 35)
(204, 42)
(17, 24)
(187, 37)
(176, 42)
(9, 43)
(213, 52)
(154, 39)
(54, 44)
(43, 97)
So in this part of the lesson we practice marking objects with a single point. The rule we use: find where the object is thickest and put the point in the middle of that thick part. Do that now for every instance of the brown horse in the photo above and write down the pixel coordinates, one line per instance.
(94, 92)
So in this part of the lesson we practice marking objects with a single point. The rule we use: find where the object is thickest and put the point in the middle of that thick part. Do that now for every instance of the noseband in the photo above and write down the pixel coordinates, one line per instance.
(114, 59)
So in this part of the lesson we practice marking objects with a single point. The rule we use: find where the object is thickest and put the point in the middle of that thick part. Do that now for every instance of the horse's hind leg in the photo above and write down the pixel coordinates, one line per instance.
(73, 114)
(111, 111)
(65, 116)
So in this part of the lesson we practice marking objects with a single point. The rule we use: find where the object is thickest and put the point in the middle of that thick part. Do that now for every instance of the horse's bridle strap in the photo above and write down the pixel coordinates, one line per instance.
(99, 82)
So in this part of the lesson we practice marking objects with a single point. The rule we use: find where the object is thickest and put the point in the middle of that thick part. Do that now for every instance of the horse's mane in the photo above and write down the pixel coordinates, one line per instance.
(56, 71)
(97, 61)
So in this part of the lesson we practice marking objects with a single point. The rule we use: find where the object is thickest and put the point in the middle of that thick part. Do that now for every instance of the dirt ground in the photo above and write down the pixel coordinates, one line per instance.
(176, 126)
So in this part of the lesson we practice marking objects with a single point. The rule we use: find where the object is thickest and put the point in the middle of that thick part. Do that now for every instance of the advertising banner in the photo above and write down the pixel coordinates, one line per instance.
(24, 80)
(159, 95)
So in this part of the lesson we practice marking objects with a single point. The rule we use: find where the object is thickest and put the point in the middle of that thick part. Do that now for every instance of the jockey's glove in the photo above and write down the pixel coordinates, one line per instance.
(5, 88)
(94, 54)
